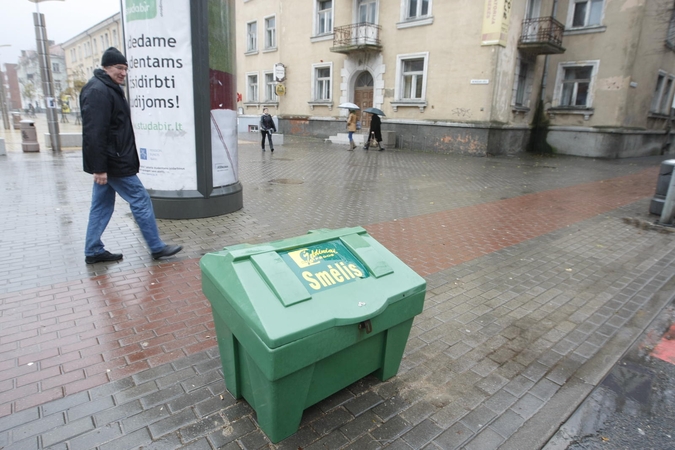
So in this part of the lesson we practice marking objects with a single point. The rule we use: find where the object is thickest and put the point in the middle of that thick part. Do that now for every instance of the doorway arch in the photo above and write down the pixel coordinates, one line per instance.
(363, 96)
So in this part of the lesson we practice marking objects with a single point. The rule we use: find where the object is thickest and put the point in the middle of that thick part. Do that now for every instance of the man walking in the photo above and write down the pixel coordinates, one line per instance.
(109, 153)
(267, 127)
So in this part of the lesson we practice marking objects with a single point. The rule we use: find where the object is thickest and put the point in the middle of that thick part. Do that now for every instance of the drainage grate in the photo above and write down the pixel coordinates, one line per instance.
(286, 181)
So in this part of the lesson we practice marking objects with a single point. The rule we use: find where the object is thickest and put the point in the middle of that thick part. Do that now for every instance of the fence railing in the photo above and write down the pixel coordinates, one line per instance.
(544, 30)
(357, 34)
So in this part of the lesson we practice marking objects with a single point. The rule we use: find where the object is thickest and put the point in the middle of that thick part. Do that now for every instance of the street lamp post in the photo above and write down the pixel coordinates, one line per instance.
(46, 74)
(3, 95)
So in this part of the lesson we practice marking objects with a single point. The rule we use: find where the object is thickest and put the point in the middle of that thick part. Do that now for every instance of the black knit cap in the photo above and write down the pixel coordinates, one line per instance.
(113, 56)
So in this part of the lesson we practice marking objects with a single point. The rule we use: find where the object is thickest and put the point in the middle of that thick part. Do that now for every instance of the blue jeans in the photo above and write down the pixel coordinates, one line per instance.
(351, 136)
(103, 204)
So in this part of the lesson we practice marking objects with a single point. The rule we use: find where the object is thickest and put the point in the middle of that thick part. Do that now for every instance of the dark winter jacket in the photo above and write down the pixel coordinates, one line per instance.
(267, 123)
(375, 127)
(108, 142)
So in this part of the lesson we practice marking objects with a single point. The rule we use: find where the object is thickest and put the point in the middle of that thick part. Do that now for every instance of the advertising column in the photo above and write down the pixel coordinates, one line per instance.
(188, 164)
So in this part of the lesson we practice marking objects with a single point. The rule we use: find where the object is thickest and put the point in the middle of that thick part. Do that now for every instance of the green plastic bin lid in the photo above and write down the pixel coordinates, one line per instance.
(290, 289)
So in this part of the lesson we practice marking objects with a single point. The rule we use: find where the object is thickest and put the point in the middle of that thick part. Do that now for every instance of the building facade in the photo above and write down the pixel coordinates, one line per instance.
(83, 52)
(30, 79)
(14, 90)
(466, 76)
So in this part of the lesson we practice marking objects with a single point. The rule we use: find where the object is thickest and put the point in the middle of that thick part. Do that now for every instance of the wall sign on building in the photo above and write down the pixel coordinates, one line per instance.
(496, 21)
(279, 73)
(280, 90)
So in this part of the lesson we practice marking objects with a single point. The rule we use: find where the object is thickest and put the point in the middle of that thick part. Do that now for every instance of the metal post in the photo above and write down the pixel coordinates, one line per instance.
(47, 80)
(3, 93)
(3, 106)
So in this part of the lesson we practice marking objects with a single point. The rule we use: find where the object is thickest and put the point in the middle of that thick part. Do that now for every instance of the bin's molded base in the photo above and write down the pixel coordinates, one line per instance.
(30, 147)
(279, 404)
(192, 205)
(656, 206)
(280, 383)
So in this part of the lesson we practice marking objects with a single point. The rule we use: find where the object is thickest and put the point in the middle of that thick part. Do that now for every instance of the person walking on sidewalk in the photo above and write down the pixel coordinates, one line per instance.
(375, 132)
(267, 127)
(109, 153)
(351, 128)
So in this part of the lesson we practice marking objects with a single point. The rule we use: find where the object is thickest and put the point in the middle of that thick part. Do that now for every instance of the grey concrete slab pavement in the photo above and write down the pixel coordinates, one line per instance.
(514, 335)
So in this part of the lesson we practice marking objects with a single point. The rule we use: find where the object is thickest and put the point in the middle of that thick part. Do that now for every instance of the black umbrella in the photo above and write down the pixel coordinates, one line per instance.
(374, 111)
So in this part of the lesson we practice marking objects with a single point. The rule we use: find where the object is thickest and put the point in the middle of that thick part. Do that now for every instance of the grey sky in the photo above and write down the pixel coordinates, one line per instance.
(64, 19)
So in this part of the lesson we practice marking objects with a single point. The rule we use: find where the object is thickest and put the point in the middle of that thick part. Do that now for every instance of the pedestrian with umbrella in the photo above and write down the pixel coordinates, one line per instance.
(351, 128)
(375, 128)
(351, 122)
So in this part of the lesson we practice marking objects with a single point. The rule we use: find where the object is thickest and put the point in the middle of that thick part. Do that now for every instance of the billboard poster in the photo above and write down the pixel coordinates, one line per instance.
(159, 52)
(496, 21)
(223, 92)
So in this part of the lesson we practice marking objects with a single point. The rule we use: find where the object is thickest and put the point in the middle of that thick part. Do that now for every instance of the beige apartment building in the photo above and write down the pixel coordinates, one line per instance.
(83, 52)
(465, 76)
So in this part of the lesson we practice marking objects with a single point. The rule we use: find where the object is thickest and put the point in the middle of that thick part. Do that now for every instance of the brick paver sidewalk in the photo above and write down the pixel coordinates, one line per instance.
(531, 297)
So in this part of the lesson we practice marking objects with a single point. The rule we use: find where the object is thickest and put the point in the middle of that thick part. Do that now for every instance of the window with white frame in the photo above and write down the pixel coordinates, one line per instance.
(252, 87)
(416, 9)
(574, 84)
(670, 37)
(411, 77)
(585, 13)
(523, 83)
(107, 42)
(95, 42)
(270, 86)
(252, 36)
(367, 11)
(661, 99)
(114, 34)
(270, 32)
(322, 75)
(324, 16)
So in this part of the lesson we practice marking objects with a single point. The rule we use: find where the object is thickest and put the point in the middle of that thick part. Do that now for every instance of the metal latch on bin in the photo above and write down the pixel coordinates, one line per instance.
(366, 325)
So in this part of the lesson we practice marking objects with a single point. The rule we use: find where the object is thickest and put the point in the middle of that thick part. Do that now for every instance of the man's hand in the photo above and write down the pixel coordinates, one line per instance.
(101, 178)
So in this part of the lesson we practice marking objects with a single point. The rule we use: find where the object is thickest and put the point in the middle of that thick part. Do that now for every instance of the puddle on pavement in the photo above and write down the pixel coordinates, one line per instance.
(630, 381)
(634, 405)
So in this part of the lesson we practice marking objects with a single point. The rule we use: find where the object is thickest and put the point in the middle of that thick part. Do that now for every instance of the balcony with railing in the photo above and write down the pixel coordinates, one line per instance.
(542, 36)
(356, 37)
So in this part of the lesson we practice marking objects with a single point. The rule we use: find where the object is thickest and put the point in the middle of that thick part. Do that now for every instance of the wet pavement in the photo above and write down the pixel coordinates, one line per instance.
(541, 272)
(634, 406)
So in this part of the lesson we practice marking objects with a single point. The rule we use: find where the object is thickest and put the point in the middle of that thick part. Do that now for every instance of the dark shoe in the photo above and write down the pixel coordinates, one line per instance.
(168, 250)
(271, 149)
(106, 256)
(381, 149)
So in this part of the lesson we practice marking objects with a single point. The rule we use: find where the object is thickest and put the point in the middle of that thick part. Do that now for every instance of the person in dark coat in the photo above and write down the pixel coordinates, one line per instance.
(267, 127)
(375, 131)
(109, 153)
